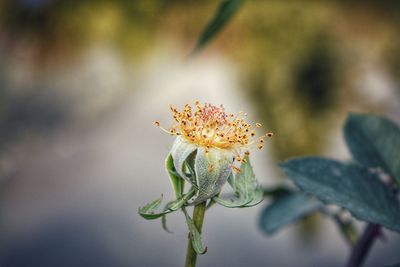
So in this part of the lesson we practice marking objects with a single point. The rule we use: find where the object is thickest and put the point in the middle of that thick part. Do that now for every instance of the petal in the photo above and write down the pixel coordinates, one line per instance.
(180, 151)
(211, 180)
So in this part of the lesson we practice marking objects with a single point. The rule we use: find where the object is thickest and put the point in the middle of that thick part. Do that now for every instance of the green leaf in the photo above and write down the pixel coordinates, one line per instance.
(149, 211)
(245, 185)
(348, 230)
(177, 181)
(212, 170)
(278, 191)
(224, 13)
(195, 234)
(374, 142)
(287, 209)
(352, 187)
(164, 219)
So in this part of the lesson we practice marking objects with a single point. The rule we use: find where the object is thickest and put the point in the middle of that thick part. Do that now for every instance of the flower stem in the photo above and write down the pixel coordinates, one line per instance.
(363, 245)
(198, 218)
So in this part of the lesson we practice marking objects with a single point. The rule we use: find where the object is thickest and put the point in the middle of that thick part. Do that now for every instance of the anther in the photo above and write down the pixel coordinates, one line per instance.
(236, 169)
(211, 168)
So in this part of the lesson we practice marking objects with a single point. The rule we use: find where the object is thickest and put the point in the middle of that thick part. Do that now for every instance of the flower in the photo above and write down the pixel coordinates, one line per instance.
(209, 142)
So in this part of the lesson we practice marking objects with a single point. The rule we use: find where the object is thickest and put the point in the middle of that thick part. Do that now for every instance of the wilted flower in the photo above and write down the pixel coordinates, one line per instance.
(209, 143)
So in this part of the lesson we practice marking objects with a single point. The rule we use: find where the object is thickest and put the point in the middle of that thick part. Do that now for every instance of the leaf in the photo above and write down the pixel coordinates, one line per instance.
(349, 186)
(195, 234)
(287, 209)
(374, 142)
(164, 219)
(348, 230)
(224, 13)
(212, 170)
(149, 211)
(177, 181)
(246, 188)
(276, 192)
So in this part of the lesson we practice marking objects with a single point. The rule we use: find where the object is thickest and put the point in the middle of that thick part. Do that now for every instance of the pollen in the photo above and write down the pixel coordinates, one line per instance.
(235, 169)
(209, 126)
(211, 168)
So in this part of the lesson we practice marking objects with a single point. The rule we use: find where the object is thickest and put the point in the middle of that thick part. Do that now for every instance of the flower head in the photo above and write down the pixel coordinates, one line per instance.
(210, 127)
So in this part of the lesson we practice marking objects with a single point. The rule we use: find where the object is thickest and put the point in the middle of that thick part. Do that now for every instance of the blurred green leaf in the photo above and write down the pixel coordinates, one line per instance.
(287, 209)
(196, 237)
(349, 186)
(276, 192)
(348, 230)
(224, 13)
(245, 185)
(374, 142)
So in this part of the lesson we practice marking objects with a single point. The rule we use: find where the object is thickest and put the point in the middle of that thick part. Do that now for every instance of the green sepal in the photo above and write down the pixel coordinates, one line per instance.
(195, 234)
(249, 193)
(180, 152)
(212, 169)
(177, 181)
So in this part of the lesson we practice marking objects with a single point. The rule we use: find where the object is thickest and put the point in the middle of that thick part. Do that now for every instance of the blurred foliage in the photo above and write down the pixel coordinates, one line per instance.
(291, 72)
(297, 57)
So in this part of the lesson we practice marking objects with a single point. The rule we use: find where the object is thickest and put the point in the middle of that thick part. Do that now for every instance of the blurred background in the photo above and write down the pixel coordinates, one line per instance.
(82, 81)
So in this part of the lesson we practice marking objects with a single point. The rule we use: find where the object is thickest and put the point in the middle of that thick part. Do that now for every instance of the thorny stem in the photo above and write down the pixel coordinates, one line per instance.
(198, 218)
(363, 245)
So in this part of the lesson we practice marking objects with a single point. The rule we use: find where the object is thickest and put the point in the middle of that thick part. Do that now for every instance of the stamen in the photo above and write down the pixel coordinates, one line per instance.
(209, 126)
(235, 169)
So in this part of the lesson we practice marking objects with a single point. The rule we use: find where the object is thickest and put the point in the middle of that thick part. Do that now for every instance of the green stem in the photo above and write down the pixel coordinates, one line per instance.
(198, 218)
